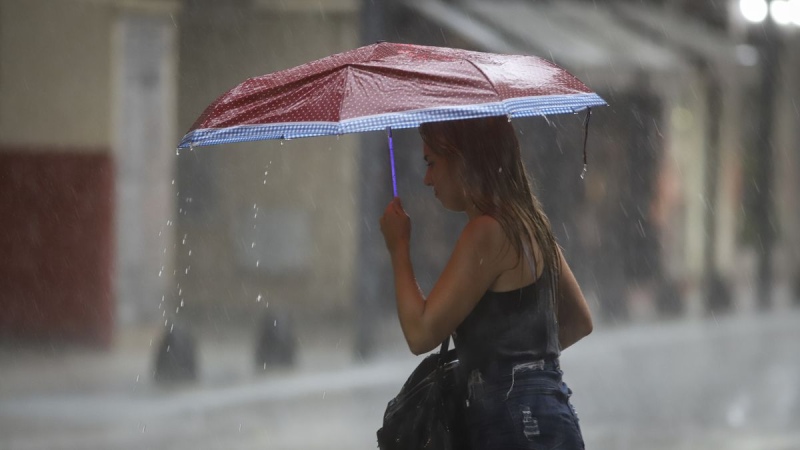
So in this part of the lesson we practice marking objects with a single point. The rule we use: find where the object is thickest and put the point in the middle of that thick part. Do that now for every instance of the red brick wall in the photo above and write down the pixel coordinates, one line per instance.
(56, 245)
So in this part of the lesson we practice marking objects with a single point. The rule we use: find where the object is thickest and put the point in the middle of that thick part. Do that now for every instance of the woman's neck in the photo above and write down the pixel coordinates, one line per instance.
(472, 211)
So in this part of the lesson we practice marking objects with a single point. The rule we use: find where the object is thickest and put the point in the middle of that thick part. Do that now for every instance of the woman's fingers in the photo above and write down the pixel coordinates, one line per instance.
(395, 225)
(398, 205)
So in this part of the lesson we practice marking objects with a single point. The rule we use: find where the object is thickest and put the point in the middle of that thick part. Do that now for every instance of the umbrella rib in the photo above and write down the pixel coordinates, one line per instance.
(348, 69)
(488, 80)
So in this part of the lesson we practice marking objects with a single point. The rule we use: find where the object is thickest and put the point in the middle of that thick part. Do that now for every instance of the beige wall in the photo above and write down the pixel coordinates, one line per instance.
(61, 65)
(55, 73)
(68, 84)
(312, 179)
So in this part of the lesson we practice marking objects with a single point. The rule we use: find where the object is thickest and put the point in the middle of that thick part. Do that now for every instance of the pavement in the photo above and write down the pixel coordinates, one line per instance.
(729, 382)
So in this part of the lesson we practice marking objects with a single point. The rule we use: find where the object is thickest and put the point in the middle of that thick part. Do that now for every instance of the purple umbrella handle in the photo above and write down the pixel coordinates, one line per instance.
(391, 160)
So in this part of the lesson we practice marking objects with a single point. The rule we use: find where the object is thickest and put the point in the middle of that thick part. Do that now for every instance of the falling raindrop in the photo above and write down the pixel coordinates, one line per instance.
(184, 239)
(253, 245)
(265, 366)
(173, 181)
(137, 378)
(190, 253)
(240, 428)
(258, 299)
(168, 346)
(187, 270)
(160, 272)
(583, 173)
(324, 393)
(177, 310)
(275, 324)
(258, 261)
(171, 327)
(181, 303)
(144, 428)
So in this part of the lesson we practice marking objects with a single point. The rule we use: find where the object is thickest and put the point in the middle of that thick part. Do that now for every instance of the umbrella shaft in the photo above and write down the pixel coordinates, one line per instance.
(391, 160)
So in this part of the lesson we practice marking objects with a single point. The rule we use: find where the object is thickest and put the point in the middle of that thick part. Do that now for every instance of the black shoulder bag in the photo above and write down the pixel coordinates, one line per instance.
(428, 412)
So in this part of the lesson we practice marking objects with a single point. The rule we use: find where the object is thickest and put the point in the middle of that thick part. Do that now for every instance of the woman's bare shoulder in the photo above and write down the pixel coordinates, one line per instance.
(484, 229)
(485, 235)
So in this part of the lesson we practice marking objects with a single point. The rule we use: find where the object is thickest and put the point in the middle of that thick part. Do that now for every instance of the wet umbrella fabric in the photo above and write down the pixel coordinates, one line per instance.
(384, 86)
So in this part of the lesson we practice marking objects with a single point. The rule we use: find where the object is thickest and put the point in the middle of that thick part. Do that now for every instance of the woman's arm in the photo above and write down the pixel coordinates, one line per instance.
(469, 273)
(574, 317)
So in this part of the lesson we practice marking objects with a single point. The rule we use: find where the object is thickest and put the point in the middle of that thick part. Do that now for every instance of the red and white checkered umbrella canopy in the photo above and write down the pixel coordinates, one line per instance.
(388, 85)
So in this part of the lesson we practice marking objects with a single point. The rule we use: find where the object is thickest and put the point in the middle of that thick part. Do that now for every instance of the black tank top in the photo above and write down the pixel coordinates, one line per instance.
(517, 325)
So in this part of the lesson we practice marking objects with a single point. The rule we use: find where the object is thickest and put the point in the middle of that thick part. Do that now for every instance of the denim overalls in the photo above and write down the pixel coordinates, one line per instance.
(508, 353)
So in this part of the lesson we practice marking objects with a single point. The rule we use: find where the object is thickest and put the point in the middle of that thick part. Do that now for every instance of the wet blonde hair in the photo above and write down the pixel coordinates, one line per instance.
(487, 156)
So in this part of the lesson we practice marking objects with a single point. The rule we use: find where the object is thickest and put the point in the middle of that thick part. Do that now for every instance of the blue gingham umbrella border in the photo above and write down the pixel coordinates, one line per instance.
(517, 107)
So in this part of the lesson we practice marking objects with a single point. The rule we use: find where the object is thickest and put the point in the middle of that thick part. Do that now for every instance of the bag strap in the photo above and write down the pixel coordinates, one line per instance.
(443, 351)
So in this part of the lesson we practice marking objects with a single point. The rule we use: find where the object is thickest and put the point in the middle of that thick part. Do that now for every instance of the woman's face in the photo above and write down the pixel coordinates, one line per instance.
(442, 177)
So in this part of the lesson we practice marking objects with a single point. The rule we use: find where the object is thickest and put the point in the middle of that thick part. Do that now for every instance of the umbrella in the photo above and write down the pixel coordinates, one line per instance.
(388, 85)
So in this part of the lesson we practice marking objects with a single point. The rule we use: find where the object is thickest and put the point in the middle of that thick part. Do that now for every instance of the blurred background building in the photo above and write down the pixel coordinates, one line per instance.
(109, 238)
(688, 206)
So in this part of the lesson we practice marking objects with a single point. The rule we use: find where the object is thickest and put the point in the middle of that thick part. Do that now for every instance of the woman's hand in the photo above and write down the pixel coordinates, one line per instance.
(395, 226)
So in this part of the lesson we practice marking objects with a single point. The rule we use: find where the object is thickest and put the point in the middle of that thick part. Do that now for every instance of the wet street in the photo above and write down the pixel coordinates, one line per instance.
(717, 383)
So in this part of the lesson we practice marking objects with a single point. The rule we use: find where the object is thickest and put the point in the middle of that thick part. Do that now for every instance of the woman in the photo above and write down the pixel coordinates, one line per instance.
(507, 295)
